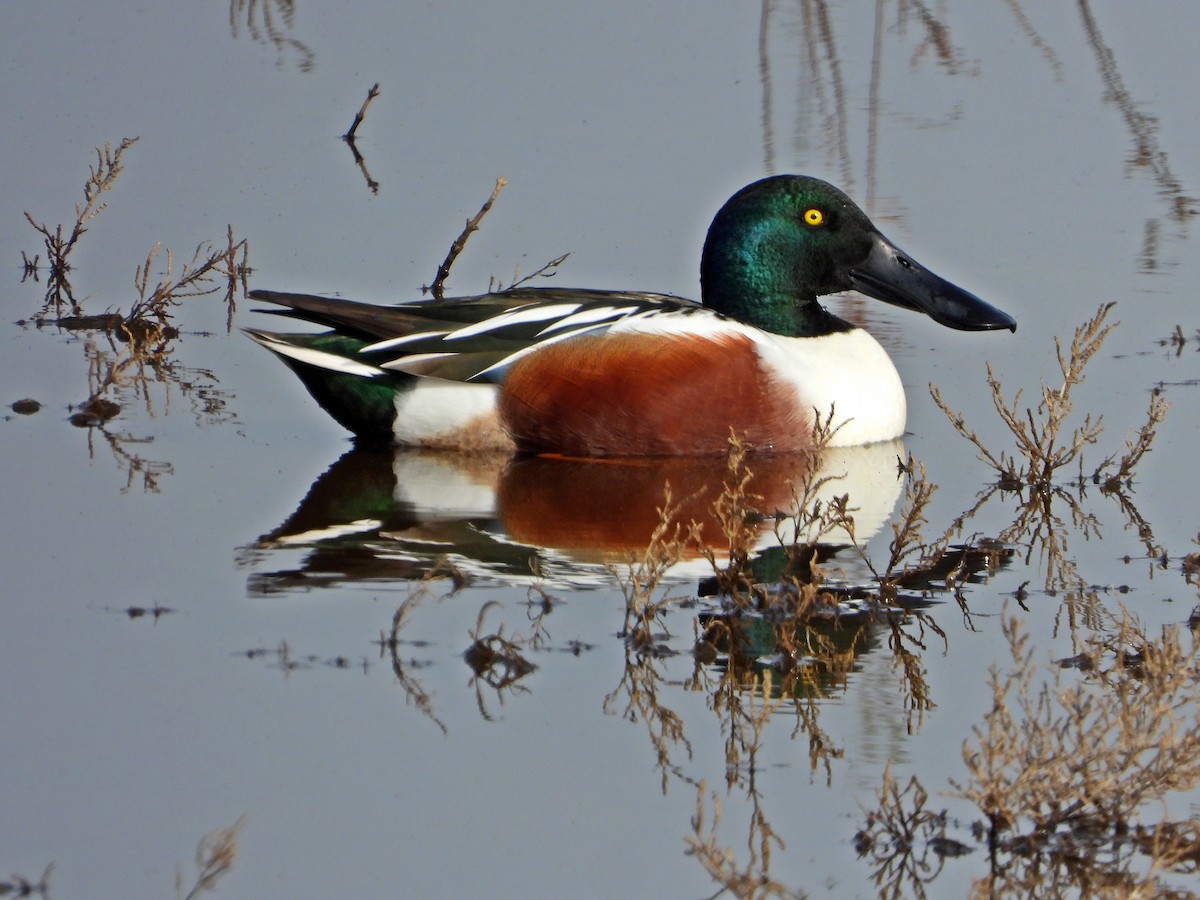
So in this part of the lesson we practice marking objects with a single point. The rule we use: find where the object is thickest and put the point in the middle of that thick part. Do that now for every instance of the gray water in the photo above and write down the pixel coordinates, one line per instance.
(1044, 161)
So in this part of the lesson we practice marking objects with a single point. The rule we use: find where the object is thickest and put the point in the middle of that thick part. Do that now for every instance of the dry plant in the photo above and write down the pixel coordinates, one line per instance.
(139, 342)
(268, 22)
(496, 661)
(747, 696)
(811, 523)
(744, 714)
(539, 604)
(390, 642)
(146, 322)
(904, 841)
(794, 632)
(349, 138)
(748, 692)
(738, 520)
(58, 247)
(807, 658)
(1051, 507)
(1068, 771)
(751, 881)
(20, 886)
(788, 606)
(215, 856)
(641, 576)
(117, 376)
(909, 555)
(799, 686)
(638, 688)
(445, 567)
(1191, 563)
(821, 748)
(286, 661)
(139, 469)
(549, 270)
(910, 558)
(1043, 522)
(1055, 761)
(438, 287)
(1043, 446)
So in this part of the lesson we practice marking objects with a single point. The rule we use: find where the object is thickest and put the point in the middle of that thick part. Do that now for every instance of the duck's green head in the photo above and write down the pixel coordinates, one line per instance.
(778, 244)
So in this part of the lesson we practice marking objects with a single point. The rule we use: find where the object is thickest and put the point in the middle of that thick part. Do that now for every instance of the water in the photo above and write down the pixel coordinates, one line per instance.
(1046, 171)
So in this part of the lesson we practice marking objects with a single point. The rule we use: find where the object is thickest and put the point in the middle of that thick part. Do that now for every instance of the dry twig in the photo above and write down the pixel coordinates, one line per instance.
(438, 286)
(348, 137)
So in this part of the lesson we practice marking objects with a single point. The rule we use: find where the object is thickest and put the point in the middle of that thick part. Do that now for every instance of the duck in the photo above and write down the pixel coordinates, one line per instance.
(603, 373)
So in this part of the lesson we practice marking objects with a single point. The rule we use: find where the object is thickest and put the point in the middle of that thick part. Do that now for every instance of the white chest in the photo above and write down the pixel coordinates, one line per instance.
(848, 372)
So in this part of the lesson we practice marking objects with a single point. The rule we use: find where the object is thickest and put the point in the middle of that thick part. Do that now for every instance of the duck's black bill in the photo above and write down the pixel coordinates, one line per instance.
(891, 275)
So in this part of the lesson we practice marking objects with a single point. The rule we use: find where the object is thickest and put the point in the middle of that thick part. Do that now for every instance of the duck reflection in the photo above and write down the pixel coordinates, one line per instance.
(384, 514)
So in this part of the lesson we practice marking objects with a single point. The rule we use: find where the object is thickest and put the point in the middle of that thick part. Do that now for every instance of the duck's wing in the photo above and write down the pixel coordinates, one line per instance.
(470, 338)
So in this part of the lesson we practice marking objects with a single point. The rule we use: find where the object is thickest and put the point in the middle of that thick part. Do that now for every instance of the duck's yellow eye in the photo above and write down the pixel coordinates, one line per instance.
(814, 217)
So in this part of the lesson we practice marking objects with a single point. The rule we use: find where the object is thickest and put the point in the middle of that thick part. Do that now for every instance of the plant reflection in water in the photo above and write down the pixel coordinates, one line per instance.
(789, 593)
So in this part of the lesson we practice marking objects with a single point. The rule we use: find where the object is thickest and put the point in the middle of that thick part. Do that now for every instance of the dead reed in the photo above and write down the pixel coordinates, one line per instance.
(438, 286)
(1065, 774)
(272, 22)
(350, 134)
(1056, 760)
(904, 841)
(636, 699)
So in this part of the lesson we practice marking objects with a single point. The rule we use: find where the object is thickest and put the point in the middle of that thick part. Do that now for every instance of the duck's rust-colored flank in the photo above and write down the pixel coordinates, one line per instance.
(649, 395)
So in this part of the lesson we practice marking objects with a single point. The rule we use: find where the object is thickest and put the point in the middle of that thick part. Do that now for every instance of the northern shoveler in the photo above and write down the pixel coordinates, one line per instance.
(609, 373)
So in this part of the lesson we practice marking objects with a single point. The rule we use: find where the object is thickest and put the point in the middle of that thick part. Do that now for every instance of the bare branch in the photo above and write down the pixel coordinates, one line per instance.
(438, 286)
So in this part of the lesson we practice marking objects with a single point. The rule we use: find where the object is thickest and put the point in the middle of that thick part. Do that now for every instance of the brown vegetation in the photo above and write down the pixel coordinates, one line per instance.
(215, 856)
(129, 352)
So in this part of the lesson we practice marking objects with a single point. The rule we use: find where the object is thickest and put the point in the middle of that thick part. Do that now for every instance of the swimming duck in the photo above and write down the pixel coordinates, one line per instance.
(592, 373)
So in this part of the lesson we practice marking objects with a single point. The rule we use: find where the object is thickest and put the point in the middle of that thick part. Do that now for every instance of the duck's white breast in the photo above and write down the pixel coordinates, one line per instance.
(849, 372)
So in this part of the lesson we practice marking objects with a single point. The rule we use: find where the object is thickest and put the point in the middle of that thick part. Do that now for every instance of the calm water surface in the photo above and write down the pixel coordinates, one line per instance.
(1041, 157)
